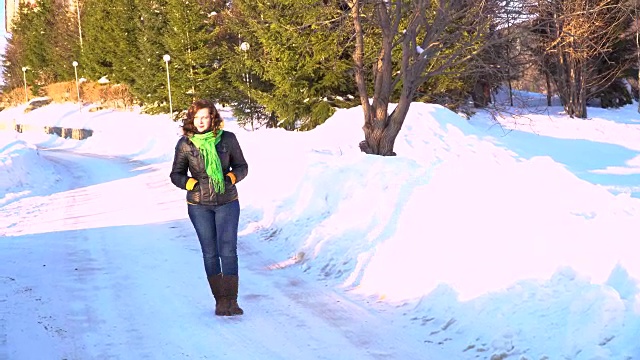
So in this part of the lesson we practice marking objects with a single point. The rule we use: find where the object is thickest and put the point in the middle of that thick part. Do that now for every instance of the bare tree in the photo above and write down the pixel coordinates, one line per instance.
(505, 58)
(511, 14)
(432, 36)
(579, 39)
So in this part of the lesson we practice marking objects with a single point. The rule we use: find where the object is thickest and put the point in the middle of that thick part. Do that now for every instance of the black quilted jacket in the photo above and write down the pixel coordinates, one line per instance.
(187, 157)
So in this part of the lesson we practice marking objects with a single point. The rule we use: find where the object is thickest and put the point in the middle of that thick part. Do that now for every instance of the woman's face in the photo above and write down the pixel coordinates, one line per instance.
(202, 120)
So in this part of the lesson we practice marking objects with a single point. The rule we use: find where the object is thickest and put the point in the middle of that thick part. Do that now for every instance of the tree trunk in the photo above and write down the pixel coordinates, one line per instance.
(383, 138)
(582, 92)
(548, 80)
(481, 94)
(376, 126)
(377, 131)
(272, 122)
(575, 92)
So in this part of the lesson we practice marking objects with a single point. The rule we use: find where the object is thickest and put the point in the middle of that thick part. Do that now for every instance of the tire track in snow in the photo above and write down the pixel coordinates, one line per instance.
(359, 331)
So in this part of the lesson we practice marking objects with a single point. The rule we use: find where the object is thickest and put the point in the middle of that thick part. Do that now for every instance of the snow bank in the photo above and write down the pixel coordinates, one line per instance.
(23, 171)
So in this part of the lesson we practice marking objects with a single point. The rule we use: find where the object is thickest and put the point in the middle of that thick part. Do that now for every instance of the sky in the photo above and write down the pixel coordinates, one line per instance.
(508, 237)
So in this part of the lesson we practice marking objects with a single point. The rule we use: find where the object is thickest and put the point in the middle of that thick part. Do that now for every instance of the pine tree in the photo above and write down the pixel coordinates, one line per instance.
(13, 58)
(110, 46)
(298, 62)
(12, 62)
(65, 43)
(151, 82)
(189, 43)
(42, 40)
(33, 24)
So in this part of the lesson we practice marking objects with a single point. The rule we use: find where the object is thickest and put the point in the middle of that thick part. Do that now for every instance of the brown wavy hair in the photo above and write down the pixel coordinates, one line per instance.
(188, 128)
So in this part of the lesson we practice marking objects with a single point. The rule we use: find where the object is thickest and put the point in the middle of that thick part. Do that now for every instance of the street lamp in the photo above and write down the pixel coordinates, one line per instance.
(24, 79)
(75, 69)
(166, 59)
(244, 46)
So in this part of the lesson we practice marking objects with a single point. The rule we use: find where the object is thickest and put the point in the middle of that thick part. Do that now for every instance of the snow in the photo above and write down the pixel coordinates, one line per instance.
(516, 239)
(18, 176)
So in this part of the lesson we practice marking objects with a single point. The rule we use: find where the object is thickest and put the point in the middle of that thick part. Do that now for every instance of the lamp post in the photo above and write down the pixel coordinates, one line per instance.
(244, 46)
(166, 59)
(75, 69)
(24, 79)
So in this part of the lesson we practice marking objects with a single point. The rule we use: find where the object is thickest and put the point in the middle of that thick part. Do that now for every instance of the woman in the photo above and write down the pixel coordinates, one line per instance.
(215, 162)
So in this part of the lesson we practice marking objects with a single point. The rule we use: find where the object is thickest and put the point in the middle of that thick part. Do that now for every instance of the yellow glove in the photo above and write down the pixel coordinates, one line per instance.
(191, 184)
(232, 177)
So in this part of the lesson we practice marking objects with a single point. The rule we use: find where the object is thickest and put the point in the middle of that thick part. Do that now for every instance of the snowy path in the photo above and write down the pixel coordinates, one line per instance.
(107, 267)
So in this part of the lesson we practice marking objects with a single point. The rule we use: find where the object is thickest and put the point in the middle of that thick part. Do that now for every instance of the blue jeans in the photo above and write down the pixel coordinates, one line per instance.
(217, 229)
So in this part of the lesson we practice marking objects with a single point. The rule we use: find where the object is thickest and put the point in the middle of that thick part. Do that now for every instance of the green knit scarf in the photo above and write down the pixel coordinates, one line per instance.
(206, 143)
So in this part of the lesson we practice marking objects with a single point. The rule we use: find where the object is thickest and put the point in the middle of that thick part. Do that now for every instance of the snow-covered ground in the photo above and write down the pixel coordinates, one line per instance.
(516, 240)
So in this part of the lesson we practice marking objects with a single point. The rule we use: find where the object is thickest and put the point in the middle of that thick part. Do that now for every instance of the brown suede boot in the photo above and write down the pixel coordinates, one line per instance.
(231, 292)
(217, 289)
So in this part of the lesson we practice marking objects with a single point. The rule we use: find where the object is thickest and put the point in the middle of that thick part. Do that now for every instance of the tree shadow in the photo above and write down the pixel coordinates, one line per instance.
(581, 157)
